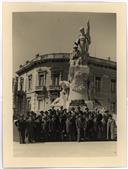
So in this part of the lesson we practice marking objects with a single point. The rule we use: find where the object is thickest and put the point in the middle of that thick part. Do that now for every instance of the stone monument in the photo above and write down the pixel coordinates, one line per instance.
(77, 87)
(79, 69)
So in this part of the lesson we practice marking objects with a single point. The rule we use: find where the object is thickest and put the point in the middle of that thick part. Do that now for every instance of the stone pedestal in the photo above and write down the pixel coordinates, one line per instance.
(79, 86)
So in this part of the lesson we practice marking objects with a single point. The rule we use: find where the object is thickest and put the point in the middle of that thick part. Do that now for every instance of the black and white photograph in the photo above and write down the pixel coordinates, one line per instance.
(64, 88)
(64, 84)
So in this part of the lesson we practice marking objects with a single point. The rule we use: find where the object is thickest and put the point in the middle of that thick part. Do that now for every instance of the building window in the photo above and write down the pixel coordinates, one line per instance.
(98, 83)
(39, 104)
(30, 82)
(56, 78)
(113, 85)
(21, 83)
(28, 105)
(41, 79)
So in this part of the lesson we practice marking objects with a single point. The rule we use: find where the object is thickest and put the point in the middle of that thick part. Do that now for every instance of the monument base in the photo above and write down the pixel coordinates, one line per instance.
(79, 84)
(82, 104)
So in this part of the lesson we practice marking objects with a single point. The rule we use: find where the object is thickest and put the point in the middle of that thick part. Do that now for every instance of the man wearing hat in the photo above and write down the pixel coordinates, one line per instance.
(53, 111)
(68, 127)
(78, 127)
(79, 110)
(21, 124)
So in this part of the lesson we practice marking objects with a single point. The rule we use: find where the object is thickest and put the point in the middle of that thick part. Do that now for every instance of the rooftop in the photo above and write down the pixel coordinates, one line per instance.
(39, 59)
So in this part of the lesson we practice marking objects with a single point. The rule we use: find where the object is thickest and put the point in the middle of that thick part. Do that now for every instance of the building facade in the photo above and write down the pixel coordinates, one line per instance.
(38, 82)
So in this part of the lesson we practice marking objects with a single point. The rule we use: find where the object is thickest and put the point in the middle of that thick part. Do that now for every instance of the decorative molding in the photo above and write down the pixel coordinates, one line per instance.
(64, 57)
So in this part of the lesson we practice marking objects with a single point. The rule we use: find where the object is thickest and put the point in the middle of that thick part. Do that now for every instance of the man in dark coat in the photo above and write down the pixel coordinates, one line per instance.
(53, 111)
(99, 128)
(62, 122)
(38, 128)
(53, 128)
(73, 127)
(57, 122)
(79, 110)
(68, 127)
(30, 124)
(78, 127)
(21, 124)
(61, 110)
(44, 128)
(84, 125)
(90, 128)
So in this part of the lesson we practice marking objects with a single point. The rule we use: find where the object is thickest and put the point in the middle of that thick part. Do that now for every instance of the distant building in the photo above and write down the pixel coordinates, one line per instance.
(38, 82)
(14, 90)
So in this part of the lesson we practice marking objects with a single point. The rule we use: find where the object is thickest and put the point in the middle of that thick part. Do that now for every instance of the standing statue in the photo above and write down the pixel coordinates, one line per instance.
(84, 39)
(83, 42)
(80, 51)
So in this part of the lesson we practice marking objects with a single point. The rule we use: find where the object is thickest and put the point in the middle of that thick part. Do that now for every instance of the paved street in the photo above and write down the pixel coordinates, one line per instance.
(65, 149)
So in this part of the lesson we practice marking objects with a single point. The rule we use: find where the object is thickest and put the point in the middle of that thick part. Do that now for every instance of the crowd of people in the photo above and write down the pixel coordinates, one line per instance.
(64, 125)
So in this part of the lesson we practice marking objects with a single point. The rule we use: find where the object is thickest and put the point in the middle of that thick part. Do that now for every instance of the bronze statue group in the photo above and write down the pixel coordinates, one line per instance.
(63, 125)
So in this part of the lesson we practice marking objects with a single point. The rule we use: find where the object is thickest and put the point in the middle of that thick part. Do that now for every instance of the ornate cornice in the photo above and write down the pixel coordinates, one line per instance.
(62, 57)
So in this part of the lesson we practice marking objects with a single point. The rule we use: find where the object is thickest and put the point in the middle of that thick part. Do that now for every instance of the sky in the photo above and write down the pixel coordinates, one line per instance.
(54, 32)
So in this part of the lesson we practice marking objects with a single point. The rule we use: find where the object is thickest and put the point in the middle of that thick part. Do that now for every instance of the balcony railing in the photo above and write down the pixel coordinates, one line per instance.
(52, 87)
(20, 93)
(40, 88)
